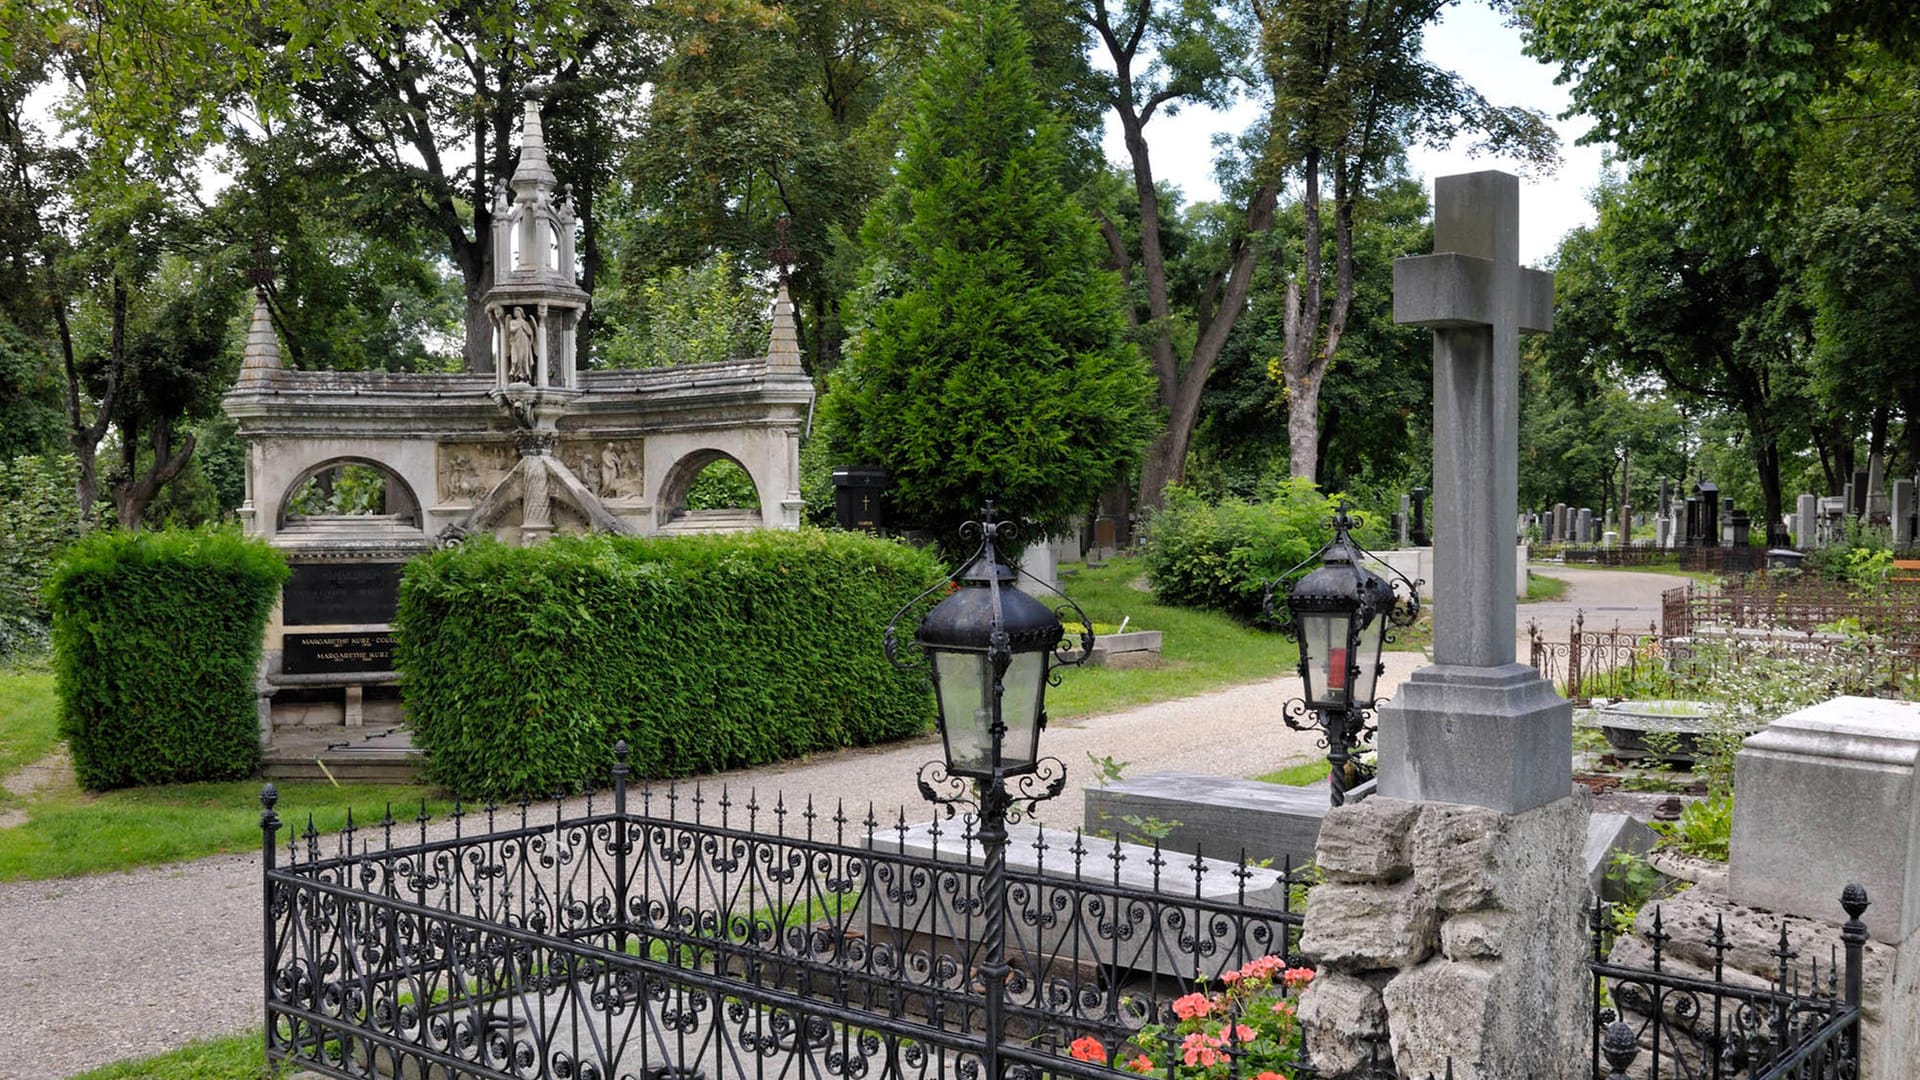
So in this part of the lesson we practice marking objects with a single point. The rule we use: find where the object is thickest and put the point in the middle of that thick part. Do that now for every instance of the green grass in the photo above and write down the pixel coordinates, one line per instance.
(69, 831)
(236, 1057)
(1202, 650)
(1542, 587)
(1298, 775)
(29, 727)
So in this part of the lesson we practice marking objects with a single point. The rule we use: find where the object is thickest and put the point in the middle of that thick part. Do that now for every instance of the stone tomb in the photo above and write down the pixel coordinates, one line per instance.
(527, 446)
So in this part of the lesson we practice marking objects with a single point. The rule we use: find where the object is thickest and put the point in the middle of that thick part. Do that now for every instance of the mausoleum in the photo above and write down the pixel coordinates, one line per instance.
(531, 446)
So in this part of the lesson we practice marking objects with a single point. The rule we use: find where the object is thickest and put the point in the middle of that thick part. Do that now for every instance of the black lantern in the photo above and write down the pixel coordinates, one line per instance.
(1342, 615)
(992, 649)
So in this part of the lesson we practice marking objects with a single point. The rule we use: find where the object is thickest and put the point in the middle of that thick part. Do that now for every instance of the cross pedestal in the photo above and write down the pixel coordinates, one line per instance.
(1475, 727)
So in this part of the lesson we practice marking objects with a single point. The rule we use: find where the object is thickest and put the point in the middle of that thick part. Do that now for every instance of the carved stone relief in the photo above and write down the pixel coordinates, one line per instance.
(469, 470)
(610, 469)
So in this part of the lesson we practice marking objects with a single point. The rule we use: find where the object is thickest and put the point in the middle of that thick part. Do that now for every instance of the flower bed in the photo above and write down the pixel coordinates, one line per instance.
(1247, 1028)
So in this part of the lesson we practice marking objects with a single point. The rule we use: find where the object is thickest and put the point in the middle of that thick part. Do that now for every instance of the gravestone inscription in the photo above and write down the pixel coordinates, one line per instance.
(341, 593)
(331, 654)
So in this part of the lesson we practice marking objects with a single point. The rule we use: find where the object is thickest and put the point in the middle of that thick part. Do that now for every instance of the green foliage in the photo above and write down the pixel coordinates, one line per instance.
(32, 420)
(29, 718)
(344, 489)
(1705, 828)
(993, 362)
(706, 314)
(1106, 770)
(156, 642)
(1862, 556)
(1222, 556)
(1303, 774)
(38, 517)
(522, 666)
(723, 485)
(231, 1057)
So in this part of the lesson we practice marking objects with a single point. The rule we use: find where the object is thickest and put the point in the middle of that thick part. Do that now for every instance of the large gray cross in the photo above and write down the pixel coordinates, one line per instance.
(1478, 299)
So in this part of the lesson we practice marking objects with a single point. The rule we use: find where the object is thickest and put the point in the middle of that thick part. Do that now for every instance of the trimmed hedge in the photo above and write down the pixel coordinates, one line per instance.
(156, 640)
(521, 666)
(1220, 556)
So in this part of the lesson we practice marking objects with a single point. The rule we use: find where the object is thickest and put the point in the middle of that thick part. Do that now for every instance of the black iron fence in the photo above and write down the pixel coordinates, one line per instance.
(691, 935)
(1686, 1016)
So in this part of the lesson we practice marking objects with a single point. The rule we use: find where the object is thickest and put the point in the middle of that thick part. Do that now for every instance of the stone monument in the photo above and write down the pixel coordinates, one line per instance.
(523, 447)
(1902, 511)
(1451, 919)
(1806, 522)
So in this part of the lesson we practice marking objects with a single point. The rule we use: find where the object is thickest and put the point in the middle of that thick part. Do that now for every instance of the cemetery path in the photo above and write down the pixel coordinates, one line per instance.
(121, 965)
(1629, 598)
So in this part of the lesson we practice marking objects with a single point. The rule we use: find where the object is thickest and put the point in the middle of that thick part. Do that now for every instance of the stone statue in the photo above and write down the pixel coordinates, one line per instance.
(519, 347)
(609, 471)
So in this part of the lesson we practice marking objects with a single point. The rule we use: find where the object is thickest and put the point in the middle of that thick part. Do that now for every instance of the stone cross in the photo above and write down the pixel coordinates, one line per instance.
(1478, 300)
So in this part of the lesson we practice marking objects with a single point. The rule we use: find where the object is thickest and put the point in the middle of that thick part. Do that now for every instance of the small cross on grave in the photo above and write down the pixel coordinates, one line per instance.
(782, 253)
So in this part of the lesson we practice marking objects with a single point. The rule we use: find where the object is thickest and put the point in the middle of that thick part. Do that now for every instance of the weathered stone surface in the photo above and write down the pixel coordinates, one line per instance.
(1828, 795)
(1498, 737)
(1606, 835)
(1476, 935)
(1454, 847)
(1216, 815)
(1354, 927)
(1438, 1013)
(1345, 1021)
(1367, 841)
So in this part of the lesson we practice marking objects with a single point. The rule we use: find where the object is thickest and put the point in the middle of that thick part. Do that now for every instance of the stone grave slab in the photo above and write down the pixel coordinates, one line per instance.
(1218, 816)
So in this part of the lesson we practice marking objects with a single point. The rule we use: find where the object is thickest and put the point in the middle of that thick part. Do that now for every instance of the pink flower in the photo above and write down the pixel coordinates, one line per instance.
(1200, 1049)
(1144, 1065)
(1240, 1033)
(1283, 1008)
(1270, 1076)
(1229, 977)
(1298, 977)
(1195, 1004)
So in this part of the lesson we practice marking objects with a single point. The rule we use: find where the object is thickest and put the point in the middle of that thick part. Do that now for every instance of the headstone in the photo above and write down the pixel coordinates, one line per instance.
(1876, 510)
(1663, 532)
(1709, 513)
(1475, 727)
(1610, 538)
(1559, 532)
(1404, 530)
(1829, 795)
(1420, 537)
(1857, 494)
(1104, 537)
(328, 593)
(1666, 497)
(1739, 528)
(1040, 561)
(1902, 511)
(1583, 531)
(1805, 521)
(857, 502)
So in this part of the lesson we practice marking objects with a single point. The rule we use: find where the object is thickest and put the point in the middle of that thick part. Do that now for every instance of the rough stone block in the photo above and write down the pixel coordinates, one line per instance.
(1438, 1014)
(1367, 841)
(1219, 816)
(1475, 935)
(1829, 795)
(1367, 927)
(1345, 1022)
(1495, 737)
(1455, 848)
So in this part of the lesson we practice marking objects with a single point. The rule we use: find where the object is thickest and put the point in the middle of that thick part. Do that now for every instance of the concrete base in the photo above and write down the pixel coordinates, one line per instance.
(1496, 737)
(1224, 818)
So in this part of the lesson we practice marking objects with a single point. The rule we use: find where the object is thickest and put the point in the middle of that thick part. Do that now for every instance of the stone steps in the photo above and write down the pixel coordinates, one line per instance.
(371, 756)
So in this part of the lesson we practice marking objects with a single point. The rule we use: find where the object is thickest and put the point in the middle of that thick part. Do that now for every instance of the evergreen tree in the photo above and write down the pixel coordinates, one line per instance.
(993, 361)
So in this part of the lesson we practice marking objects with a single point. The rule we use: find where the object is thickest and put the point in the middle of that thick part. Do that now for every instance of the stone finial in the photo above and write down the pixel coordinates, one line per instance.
(532, 174)
(783, 354)
(261, 360)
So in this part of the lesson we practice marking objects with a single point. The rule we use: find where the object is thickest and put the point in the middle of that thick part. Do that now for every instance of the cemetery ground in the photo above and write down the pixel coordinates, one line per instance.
(86, 994)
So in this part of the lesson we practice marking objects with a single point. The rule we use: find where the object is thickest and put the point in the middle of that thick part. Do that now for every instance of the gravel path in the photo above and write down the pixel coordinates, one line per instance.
(121, 965)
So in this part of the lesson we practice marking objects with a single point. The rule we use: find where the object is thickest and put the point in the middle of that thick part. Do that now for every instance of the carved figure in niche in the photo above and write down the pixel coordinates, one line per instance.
(629, 475)
(519, 347)
(463, 478)
(612, 481)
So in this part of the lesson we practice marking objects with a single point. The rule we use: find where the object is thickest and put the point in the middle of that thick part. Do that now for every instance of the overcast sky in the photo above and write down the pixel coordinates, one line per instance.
(1472, 41)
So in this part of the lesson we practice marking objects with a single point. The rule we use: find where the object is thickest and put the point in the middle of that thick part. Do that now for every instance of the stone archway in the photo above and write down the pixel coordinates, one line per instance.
(678, 482)
(395, 500)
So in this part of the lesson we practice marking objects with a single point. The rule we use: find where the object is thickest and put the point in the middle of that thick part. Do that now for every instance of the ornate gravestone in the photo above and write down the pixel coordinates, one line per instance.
(857, 498)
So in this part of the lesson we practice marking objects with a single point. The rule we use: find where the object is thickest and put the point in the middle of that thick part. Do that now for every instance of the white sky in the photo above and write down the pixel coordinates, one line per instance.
(1471, 40)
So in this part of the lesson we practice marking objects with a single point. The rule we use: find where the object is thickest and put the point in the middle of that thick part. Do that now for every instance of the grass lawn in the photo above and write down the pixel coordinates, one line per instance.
(1542, 587)
(69, 831)
(236, 1057)
(1299, 775)
(1202, 650)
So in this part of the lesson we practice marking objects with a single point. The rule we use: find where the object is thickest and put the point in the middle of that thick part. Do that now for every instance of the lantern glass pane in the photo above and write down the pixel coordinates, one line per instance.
(1020, 707)
(966, 710)
(1369, 641)
(1324, 637)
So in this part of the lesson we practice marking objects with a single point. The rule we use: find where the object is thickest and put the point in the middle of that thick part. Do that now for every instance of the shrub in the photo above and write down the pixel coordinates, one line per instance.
(1222, 556)
(156, 639)
(38, 516)
(521, 666)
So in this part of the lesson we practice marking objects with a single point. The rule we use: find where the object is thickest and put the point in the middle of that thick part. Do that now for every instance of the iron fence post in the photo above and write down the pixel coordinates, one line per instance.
(270, 961)
(1854, 935)
(620, 772)
(993, 886)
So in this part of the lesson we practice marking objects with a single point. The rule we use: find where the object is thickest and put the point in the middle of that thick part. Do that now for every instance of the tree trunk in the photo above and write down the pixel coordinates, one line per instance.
(478, 349)
(1303, 422)
(133, 494)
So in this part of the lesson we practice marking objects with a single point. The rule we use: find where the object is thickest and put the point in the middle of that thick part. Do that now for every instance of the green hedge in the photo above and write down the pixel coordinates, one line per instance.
(156, 639)
(1220, 556)
(521, 666)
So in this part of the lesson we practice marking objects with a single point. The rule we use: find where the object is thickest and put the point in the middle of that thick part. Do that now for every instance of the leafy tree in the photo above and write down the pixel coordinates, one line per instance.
(30, 418)
(993, 363)
(703, 315)
(1350, 90)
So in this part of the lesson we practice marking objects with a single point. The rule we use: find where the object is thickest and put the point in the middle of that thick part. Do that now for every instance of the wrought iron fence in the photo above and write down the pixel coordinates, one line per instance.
(1802, 1024)
(1768, 602)
(699, 935)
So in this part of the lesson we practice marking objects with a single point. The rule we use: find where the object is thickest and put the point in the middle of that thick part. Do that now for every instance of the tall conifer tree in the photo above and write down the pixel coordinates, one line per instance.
(992, 362)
